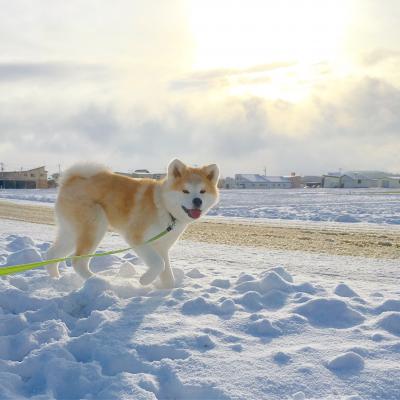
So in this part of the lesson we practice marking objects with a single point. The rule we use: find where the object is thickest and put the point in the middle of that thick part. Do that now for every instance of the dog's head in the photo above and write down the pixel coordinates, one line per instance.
(188, 192)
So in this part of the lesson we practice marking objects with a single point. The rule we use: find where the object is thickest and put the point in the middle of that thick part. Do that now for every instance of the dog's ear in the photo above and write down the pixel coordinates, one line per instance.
(212, 172)
(176, 168)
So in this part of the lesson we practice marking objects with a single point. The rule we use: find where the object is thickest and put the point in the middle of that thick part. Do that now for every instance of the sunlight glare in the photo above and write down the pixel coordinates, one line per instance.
(242, 34)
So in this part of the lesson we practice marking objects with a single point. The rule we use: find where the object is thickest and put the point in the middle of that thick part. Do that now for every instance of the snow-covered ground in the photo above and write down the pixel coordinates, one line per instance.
(242, 323)
(372, 206)
(377, 206)
(29, 196)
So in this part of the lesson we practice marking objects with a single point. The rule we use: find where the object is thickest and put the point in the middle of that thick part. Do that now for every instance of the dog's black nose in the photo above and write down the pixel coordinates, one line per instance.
(197, 202)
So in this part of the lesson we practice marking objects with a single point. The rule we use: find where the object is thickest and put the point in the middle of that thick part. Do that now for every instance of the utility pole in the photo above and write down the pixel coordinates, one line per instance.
(1, 166)
(265, 171)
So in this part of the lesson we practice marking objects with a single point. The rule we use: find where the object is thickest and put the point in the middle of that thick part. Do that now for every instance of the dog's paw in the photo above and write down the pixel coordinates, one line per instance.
(53, 272)
(166, 284)
(147, 278)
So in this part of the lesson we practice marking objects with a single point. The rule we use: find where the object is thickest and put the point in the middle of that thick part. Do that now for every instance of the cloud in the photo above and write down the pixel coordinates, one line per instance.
(353, 125)
(377, 56)
(217, 78)
(22, 71)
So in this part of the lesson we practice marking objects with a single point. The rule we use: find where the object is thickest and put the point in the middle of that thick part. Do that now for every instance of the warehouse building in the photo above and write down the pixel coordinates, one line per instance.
(30, 179)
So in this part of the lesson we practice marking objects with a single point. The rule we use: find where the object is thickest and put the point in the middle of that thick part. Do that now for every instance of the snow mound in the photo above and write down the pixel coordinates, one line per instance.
(204, 342)
(19, 242)
(25, 256)
(263, 327)
(388, 305)
(127, 270)
(221, 283)
(276, 279)
(283, 273)
(330, 313)
(195, 274)
(251, 300)
(281, 358)
(270, 281)
(390, 321)
(343, 290)
(201, 306)
(347, 362)
(245, 278)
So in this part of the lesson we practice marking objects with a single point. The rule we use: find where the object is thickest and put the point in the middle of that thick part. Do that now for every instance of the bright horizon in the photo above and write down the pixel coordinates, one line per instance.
(305, 86)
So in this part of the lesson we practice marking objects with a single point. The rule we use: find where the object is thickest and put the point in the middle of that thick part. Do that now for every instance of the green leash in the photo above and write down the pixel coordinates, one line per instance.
(25, 267)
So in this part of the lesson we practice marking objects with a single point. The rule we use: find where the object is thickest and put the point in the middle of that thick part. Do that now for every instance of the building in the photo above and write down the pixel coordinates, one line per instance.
(295, 180)
(348, 180)
(30, 179)
(312, 181)
(331, 181)
(392, 182)
(227, 183)
(256, 181)
(144, 173)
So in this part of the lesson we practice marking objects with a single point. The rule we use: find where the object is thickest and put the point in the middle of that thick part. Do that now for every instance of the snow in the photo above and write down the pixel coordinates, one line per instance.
(343, 206)
(347, 362)
(390, 321)
(26, 255)
(44, 196)
(344, 290)
(330, 312)
(372, 206)
(241, 323)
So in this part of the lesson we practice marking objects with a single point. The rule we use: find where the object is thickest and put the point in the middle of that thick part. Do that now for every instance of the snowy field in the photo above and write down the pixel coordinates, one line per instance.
(242, 323)
(371, 206)
(377, 206)
(29, 196)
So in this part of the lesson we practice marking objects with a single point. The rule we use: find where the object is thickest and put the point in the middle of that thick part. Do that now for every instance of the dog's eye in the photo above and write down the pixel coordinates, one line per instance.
(202, 191)
(185, 191)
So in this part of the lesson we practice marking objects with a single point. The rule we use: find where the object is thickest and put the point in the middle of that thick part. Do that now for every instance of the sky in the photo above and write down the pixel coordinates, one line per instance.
(301, 85)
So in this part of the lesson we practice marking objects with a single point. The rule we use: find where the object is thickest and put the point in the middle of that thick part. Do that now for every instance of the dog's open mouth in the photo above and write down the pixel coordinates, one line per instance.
(193, 212)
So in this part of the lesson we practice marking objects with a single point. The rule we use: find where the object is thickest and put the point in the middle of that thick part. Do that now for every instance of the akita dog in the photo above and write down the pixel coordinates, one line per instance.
(91, 198)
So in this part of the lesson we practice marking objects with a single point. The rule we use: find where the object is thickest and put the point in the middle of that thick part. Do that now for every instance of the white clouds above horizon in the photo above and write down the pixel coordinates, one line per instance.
(116, 84)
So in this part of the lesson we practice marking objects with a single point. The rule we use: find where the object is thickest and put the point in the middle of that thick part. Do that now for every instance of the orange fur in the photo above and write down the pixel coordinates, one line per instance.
(91, 198)
(190, 175)
(116, 194)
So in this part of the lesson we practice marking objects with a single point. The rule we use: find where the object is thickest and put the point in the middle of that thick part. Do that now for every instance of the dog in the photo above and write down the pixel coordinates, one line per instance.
(91, 198)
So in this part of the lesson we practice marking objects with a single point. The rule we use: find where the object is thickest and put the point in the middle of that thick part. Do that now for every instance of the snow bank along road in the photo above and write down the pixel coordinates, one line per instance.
(321, 238)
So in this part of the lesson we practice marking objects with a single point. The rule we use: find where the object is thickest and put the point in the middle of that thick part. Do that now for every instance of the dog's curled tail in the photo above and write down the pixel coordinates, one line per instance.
(83, 170)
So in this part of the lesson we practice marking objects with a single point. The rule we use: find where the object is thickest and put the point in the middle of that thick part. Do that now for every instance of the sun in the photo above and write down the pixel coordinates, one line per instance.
(241, 34)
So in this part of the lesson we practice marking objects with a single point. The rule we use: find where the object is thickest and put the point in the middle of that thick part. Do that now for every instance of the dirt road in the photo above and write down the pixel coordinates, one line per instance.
(338, 241)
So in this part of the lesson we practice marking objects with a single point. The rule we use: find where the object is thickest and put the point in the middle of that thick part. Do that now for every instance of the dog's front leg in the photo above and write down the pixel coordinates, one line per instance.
(167, 276)
(153, 260)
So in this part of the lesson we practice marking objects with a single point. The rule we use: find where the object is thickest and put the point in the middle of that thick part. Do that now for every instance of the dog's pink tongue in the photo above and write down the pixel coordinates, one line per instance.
(195, 213)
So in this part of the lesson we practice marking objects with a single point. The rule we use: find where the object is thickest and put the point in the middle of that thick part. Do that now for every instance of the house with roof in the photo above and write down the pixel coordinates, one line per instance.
(256, 181)
(331, 181)
(348, 180)
(390, 182)
(311, 181)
